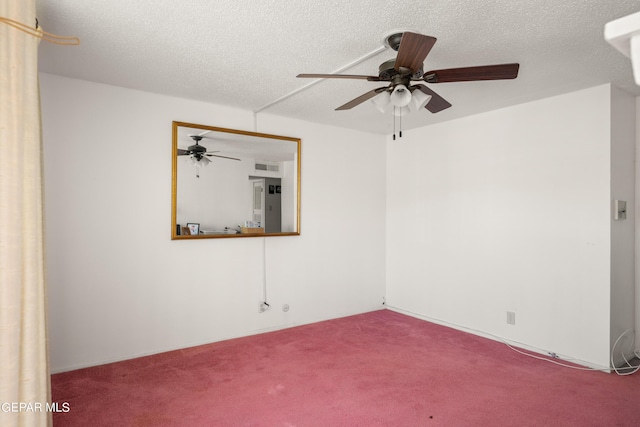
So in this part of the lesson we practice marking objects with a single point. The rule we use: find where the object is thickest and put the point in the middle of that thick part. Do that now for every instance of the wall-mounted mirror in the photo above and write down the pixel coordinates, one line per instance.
(233, 183)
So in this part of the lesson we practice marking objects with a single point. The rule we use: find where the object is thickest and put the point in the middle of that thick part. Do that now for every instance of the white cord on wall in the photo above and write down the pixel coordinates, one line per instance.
(264, 268)
(264, 305)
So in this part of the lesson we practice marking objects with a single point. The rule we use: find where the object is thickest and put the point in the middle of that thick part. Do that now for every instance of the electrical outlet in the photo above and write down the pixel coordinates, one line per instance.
(264, 307)
(285, 308)
(511, 317)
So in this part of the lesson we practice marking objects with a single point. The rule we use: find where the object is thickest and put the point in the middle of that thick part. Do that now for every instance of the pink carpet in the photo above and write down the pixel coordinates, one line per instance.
(375, 369)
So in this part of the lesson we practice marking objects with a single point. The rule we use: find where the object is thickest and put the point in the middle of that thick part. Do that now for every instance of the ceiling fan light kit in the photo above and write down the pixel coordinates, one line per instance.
(199, 161)
(419, 99)
(382, 101)
(400, 97)
(407, 67)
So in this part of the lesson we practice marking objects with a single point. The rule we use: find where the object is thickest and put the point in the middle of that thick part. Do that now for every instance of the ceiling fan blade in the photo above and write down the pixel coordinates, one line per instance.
(467, 74)
(339, 76)
(359, 100)
(437, 103)
(413, 50)
(222, 157)
(182, 152)
(191, 135)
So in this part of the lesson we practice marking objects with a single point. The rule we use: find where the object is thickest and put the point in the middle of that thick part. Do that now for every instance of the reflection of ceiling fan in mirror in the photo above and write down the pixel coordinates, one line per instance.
(407, 68)
(199, 154)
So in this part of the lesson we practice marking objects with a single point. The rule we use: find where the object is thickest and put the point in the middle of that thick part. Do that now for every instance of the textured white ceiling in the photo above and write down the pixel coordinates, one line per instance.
(247, 54)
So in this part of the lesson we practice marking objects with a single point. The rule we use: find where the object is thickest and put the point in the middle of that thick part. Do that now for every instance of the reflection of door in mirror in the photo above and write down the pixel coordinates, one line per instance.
(258, 202)
(272, 217)
(267, 204)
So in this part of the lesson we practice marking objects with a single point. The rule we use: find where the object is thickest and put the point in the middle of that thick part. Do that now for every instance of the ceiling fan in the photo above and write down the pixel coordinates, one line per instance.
(407, 67)
(198, 152)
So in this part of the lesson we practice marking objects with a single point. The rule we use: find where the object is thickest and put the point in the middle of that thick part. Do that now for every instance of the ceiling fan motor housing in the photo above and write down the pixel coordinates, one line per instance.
(197, 149)
(387, 72)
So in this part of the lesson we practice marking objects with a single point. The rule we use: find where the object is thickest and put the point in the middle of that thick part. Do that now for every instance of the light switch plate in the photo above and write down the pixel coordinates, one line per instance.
(619, 210)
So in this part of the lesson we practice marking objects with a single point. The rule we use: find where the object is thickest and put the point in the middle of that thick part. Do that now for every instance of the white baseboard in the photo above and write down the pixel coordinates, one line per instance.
(539, 353)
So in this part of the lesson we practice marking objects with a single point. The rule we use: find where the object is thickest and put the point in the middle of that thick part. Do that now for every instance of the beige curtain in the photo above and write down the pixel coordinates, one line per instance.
(24, 368)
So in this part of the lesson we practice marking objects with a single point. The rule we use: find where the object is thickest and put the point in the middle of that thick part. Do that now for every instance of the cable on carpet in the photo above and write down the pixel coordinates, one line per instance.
(636, 353)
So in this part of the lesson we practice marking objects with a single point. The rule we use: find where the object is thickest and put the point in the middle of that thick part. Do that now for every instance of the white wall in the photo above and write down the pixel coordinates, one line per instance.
(623, 139)
(119, 287)
(504, 211)
(508, 211)
(636, 218)
(216, 196)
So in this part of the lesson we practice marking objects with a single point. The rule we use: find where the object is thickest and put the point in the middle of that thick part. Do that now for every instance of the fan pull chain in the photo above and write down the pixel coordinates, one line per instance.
(40, 33)
(394, 122)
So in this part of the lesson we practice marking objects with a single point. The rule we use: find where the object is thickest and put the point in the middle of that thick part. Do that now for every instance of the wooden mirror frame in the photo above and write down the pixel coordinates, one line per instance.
(230, 134)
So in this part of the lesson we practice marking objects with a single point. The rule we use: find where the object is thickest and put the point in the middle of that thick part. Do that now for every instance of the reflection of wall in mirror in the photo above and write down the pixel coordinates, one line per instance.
(216, 199)
(289, 193)
(219, 198)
